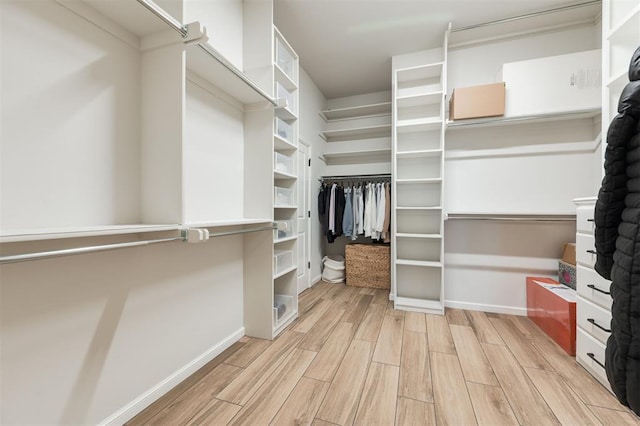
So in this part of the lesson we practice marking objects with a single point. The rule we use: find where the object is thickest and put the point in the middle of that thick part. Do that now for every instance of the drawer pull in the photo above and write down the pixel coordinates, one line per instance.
(593, 357)
(593, 287)
(592, 251)
(593, 321)
(591, 220)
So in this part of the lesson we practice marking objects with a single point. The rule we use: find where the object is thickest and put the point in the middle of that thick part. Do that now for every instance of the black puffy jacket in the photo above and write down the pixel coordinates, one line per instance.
(617, 237)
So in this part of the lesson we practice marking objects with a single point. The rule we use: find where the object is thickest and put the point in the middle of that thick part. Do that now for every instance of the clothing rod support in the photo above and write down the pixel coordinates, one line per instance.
(213, 53)
(165, 17)
(528, 15)
(81, 250)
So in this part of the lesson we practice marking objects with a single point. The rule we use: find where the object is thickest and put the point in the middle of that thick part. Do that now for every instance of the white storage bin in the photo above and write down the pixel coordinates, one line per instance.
(282, 260)
(282, 308)
(282, 163)
(283, 196)
(283, 93)
(334, 269)
(284, 229)
(284, 130)
(284, 59)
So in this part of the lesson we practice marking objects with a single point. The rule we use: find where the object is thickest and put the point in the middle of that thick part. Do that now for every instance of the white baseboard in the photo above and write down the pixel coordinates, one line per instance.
(498, 309)
(316, 279)
(127, 412)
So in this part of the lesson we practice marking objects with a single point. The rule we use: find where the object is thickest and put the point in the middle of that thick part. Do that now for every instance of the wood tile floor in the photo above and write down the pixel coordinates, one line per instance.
(352, 359)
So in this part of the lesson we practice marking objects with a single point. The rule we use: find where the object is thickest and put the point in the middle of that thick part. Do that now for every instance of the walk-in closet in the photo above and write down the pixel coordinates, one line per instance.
(331, 212)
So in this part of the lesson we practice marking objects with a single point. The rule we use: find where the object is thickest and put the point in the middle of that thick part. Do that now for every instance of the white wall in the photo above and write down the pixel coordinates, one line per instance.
(84, 336)
(312, 101)
(532, 168)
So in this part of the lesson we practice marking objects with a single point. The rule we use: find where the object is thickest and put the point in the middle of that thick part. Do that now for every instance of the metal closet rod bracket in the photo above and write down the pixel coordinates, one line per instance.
(198, 235)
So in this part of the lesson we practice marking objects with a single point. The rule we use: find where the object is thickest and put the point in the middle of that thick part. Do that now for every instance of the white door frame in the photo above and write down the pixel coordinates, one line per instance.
(307, 183)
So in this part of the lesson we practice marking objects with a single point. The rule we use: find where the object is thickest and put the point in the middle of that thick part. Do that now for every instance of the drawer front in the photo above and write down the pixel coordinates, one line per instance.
(585, 250)
(593, 287)
(584, 219)
(594, 320)
(590, 353)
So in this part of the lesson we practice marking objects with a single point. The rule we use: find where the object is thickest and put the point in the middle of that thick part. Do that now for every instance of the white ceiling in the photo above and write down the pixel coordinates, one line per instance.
(346, 45)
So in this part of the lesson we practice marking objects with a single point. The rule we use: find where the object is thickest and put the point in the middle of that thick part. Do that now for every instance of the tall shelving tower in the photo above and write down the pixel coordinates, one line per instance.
(417, 248)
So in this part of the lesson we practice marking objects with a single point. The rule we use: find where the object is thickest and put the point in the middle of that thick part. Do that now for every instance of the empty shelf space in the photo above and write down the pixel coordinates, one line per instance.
(418, 181)
(285, 113)
(368, 132)
(284, 240)
(422, 305)
(283, 78)
(423, 72)
(281, 144)
(505, 121)
(283, 176)
(627, 29)
(381, 108)
(228, 223)
(423, 263)
(419, 99)
(620, 79)
(211, 65)
(419, 125)
(285, 271)
(419, 153)
(436, 208)
(426, 236)
(17, 235)
(370, 156)
(284, 206)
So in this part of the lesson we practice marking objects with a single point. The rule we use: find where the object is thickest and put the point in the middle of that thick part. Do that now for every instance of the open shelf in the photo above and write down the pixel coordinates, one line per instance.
(436, 208)
(419, 125)
(505, 121)
(284, 240)
(381, 108)
(422, 305)
(285, 272)
(283, 78)
(619, 80)
(368, 132)
(283, 176)
(422, 263)
(417, 181)
(419, 99)
(18, 235)
(281, 144)
(627, 29)
(285, 113)
(211, 65)
(280, 206)
(426, 236)
(421, 72)
(358, 157)
(419, 153)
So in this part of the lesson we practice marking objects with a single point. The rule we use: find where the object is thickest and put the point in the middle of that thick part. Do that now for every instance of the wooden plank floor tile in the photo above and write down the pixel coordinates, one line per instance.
(303, 403)
(318, 422)
(265, 403)
(252, 349)
(615, 417)
(148, 413)
(249, 381)
(439, 335)
(410, 412)
(526, 354)
(369, 328)
(415, 369)
(369, 291)
(483, 328)
(325, 365)
(415, 321)
(381, 297)
(525, 325)
(341, 402)
(581, 382)
(306, 323)
(392, 311)
(389, 345)
(216, 412)
(355, 313)
(525, 400)
(198, 397)
(490, 405)
(564, 403)
(457, 317)
(318, 335)
(475, 365)
(452, 402)
(379, 396)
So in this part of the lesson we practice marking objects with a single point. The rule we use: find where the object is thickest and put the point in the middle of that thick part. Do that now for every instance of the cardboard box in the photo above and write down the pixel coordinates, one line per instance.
(567, 274)
(477, 101)
(569, 253)
(553, 84)
(554, 311)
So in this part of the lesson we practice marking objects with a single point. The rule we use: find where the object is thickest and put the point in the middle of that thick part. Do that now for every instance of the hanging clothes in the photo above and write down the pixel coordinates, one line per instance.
(347, 218)
(386, 226)
(339, 213)
(380, 210)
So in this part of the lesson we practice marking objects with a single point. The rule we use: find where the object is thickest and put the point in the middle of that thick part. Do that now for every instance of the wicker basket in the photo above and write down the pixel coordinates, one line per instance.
(368, 265)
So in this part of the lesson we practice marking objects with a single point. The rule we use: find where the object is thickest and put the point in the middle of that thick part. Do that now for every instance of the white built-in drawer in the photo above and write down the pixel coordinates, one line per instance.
(590, 353)
(594, 320)
(593, 287)
(585, 250)
(584, 219)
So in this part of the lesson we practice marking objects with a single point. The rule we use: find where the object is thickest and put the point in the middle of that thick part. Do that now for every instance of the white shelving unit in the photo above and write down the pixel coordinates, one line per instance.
(417, 248)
